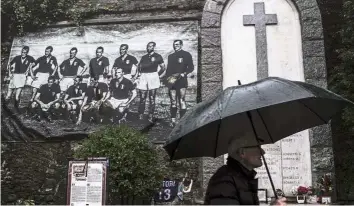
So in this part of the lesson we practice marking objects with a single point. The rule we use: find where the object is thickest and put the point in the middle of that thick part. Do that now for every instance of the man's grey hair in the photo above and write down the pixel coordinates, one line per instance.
(237, 145)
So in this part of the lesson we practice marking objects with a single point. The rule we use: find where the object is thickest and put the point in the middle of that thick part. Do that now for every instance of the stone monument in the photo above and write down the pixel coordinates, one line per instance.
(261, 38)
(268, 43)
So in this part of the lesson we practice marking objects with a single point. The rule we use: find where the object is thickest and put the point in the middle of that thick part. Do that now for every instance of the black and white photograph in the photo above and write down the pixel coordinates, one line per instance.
(60, 83)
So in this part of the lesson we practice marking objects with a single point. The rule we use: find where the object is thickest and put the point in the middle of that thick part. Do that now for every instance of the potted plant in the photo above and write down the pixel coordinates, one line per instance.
(312, 195)
(325, 188)
(302, 192)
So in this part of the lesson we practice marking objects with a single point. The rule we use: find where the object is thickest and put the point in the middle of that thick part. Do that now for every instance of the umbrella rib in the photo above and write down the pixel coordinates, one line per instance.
(265, 125)
(174, 151)
(217, 138)
(313, 112)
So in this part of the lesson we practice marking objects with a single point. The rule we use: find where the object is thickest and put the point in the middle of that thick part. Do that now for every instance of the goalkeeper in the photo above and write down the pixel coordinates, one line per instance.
(180, 64)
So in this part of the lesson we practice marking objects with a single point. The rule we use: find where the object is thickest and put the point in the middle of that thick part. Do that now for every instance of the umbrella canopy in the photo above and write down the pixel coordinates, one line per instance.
(258, 113)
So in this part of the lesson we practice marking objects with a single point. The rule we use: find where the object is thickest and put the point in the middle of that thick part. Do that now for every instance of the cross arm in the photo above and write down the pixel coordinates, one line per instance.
(271, 19)
(248, 20)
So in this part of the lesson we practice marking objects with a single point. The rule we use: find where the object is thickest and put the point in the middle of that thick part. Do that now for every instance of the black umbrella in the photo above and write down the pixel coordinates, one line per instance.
(258, 113)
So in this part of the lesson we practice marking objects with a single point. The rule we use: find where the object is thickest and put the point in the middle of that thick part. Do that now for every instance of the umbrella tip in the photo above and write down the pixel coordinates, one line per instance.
(239, 82)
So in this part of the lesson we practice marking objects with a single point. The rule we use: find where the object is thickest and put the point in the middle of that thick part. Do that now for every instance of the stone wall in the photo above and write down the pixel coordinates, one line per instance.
(343, 143)
(35, 171)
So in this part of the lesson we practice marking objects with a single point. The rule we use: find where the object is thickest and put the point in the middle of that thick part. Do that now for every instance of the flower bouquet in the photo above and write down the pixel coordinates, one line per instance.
(301, 193)
(301, 190)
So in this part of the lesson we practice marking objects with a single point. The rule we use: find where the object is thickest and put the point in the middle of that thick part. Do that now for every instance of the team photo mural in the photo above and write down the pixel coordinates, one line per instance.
(60, 83)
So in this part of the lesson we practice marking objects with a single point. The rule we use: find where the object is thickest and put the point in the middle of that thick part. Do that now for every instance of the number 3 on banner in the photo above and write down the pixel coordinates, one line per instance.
(167, 194)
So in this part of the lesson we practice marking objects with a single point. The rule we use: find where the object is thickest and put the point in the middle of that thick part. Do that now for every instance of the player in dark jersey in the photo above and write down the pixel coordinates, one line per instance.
(43, 69)
(18, 69)
(180, 64)
(99, 66)
(122, 93)
(96, 94)
(69, 70)
(126, 62)
(150, 67)
(46, 100)
(74, 98)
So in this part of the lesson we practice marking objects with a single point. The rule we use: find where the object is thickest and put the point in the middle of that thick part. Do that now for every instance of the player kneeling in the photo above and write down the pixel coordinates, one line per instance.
(95, 95)
(46, 101)
(122, 93)
(74, 98)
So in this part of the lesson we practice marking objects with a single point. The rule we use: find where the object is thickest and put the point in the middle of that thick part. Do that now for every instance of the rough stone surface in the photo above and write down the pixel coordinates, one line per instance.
(209, 166)
(303, 5)
(315, 67)
(210, 37)
(214, 6)
(313, 48)
(211, 73)
(312, 30)
(210, 89)
(211, 20)
(211, 56)
(321, 136)
(322, 82)
(322, 159)
(312, 13)
(25, 172)
(136, 5)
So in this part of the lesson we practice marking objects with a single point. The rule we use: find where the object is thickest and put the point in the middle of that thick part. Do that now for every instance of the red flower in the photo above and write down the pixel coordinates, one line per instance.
(302, 190)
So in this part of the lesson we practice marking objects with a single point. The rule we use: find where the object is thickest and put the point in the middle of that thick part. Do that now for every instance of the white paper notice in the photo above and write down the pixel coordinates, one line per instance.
(86, 190)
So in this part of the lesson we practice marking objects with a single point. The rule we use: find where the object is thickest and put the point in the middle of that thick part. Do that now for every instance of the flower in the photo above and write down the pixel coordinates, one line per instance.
(325, 183)
(301, 190)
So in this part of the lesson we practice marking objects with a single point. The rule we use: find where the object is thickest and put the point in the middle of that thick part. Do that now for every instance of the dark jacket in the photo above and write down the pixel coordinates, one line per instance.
(232, 184)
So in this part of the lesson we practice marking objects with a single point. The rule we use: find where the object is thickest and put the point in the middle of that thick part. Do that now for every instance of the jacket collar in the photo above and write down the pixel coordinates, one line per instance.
(236, 165)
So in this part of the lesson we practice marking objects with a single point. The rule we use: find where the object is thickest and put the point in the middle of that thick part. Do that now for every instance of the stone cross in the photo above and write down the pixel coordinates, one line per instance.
(259, 20)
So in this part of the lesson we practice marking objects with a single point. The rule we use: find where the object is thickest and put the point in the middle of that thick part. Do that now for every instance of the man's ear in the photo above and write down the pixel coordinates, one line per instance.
(241, 152)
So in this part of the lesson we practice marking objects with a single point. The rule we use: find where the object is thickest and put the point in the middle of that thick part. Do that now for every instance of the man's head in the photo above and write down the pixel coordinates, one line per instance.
(24, 51)
(150, 47)
(77, 80)
(123, 49)
(177, 45)
(119, 73)
(250, 157)
(50, 81)
(73, 52)
(48, 51)
(99, 52)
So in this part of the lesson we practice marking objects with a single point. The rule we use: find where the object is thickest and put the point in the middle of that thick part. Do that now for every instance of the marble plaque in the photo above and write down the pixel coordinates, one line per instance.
(289, 163)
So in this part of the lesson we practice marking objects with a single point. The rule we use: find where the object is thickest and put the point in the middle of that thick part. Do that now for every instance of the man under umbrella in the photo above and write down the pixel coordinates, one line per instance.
(235, 183)
(244, 117)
